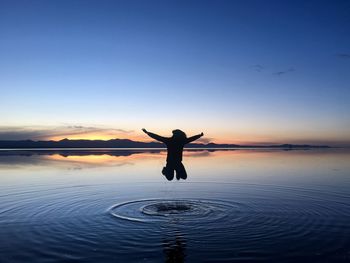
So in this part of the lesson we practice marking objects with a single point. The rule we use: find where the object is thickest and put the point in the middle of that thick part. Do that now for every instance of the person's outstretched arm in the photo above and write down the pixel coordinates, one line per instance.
(154, 136)
(193, 138)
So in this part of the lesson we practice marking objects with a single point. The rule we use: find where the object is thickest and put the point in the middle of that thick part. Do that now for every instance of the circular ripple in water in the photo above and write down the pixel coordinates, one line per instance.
(155, 210)
(266, 219)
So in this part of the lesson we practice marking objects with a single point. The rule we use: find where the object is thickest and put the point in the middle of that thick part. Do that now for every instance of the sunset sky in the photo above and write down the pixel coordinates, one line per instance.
(239, 71)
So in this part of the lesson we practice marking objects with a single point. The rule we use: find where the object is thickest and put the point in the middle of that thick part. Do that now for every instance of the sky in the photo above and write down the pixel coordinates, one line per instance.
(261, 72)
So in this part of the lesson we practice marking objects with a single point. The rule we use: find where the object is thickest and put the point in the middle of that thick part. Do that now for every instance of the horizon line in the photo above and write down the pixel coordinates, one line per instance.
(256, 144)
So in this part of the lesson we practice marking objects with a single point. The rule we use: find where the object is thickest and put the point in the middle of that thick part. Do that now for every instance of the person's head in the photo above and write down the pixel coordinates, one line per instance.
(179, 135)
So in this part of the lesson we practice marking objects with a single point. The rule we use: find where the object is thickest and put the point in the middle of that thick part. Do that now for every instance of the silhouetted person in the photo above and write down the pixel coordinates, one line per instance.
(175, 146)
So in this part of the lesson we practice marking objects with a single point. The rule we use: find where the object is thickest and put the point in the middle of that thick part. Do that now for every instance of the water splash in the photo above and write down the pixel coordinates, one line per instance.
(155, 210)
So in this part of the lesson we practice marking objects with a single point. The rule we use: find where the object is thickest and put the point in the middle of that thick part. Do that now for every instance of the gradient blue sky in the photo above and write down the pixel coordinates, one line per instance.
(240, 71)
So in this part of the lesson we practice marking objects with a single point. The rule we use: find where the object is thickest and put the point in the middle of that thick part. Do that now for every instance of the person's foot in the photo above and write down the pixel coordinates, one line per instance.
(184, 176)
(168, 176)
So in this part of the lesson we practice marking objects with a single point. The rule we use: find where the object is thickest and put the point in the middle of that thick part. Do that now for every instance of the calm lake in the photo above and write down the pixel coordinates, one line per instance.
(116, 206)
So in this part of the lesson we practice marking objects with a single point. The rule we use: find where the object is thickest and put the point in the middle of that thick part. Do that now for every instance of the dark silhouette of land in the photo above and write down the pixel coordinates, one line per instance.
(175, 145)
(126, 143)
(76, 152)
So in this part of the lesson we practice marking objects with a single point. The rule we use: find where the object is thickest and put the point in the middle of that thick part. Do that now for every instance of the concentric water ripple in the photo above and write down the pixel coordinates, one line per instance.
(264, 218)
(258, 221)
(155, 210)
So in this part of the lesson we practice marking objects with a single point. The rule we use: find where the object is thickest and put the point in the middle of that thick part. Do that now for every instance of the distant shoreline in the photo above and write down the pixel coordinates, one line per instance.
(130, 151)
(163, 149)
(124, 144)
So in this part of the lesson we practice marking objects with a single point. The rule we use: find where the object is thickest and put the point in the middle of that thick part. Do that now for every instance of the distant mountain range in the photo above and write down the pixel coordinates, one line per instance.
(126, 143)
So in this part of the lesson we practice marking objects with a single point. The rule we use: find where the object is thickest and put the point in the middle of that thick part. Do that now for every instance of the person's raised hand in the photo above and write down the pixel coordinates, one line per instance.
(202, 134)
(144, 130)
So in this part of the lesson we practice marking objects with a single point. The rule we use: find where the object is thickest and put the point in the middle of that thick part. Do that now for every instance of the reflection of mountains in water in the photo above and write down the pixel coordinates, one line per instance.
(73, 152)
(126, 143)
(127, 152)
(89, 152)
(84, 158)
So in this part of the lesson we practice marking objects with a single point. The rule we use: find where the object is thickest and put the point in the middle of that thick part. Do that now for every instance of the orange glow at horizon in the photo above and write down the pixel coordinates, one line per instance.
(250, 138)
(144, 138)
(98, 136)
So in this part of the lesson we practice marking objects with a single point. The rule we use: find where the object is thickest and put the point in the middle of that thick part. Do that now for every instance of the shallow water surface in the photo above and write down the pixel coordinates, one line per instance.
(116, 206)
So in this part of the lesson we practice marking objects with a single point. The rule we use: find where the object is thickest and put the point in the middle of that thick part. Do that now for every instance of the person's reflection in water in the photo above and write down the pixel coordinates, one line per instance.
(174, 249)
(175, 146)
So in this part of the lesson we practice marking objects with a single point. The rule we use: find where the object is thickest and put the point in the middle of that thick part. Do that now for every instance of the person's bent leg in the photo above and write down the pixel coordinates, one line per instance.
(168, 172)
(181, 171)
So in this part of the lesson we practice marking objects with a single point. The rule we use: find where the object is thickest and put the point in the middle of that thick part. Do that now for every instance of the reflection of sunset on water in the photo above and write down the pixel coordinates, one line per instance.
(98, 159)
(200, 164)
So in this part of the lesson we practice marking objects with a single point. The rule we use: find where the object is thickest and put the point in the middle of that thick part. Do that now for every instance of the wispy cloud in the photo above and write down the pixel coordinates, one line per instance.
(343, 55)
(258, 67)
(204, 140)
(44, 133)
(279, 73)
